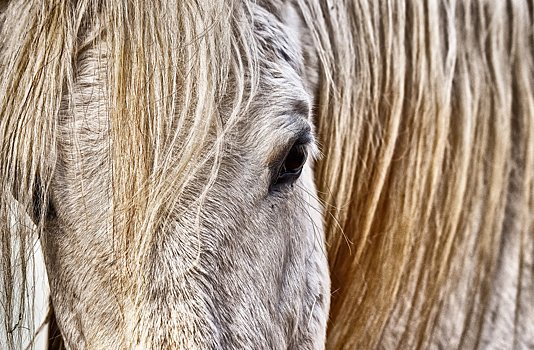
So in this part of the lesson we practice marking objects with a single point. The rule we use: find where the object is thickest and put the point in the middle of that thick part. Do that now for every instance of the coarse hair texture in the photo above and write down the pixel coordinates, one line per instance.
(427, 124)
(424, 113)
(178, 50)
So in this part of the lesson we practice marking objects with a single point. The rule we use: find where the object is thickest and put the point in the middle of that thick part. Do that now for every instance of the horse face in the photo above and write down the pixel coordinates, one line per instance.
(246, 268)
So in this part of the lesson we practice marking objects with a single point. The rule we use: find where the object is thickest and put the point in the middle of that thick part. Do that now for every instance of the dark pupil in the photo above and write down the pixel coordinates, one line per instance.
(292, 167)
(295, 160)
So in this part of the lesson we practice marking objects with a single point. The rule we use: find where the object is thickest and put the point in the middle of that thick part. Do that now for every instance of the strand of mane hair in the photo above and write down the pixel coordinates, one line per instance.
(425, 112)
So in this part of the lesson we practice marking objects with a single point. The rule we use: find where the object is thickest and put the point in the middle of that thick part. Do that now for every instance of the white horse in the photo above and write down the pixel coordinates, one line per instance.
(163, 154)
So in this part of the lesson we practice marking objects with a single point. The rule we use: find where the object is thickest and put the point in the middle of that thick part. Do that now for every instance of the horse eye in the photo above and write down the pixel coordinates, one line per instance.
(292, 166)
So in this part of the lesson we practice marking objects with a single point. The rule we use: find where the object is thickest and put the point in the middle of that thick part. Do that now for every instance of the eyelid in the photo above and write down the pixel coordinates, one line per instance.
(310, 144)
(303, 139)
(290, 129)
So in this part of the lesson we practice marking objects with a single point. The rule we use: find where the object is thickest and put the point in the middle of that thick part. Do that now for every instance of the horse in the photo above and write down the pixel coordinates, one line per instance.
(269, 174)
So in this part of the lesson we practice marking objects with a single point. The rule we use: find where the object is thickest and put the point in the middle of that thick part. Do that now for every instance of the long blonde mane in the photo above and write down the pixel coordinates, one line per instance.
(425, 115)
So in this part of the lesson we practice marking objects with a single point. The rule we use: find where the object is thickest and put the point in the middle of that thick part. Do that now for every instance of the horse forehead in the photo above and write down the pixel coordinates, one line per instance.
(278, 41)
(282, 97)
(280, 100)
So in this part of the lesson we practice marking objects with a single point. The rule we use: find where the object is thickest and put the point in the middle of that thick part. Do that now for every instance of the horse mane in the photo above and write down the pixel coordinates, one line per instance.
(424, 114)
(163, 58)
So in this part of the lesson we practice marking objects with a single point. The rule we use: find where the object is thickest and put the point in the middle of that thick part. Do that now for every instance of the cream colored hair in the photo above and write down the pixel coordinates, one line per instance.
(151, 50)
(424, 114)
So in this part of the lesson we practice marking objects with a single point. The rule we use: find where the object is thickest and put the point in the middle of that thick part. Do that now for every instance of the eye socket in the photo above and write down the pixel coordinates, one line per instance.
(292, 165)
